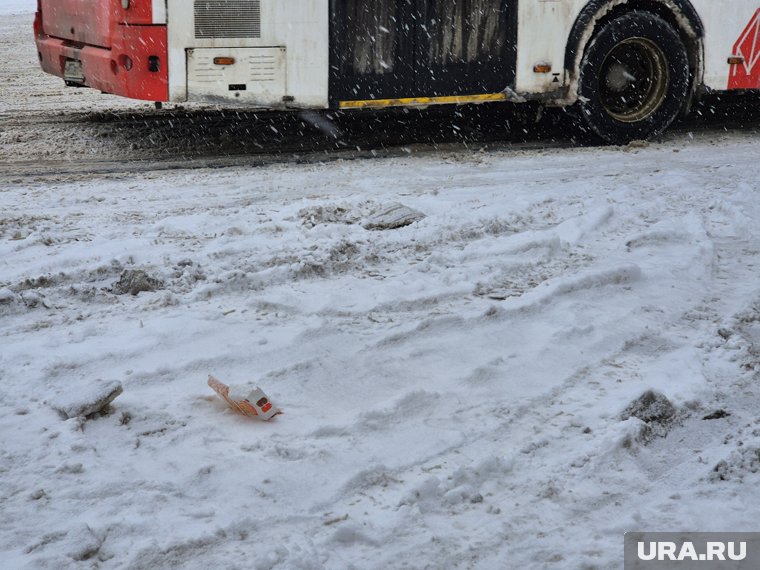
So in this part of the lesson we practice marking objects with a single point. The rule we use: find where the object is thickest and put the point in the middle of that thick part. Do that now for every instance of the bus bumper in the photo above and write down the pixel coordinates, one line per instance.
(135, 66)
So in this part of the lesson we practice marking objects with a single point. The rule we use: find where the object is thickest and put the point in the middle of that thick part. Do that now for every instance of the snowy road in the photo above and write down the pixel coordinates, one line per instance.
(53, 133)
(453, 389)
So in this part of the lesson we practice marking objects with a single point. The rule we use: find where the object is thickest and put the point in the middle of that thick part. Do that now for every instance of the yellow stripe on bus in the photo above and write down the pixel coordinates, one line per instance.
(410, 101)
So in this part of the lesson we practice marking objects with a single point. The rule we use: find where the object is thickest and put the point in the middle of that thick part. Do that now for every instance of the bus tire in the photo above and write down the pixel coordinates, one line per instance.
(634, 79)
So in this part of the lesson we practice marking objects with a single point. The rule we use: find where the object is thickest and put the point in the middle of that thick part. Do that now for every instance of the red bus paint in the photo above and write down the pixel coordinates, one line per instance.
(120, 52)
(79, 21)
(747, 75)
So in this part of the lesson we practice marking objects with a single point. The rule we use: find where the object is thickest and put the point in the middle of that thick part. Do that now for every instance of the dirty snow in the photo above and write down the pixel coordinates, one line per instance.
(454, 390)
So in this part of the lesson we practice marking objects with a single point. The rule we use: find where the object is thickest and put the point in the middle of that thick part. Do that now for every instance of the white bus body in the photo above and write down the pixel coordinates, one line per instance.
(321, 54)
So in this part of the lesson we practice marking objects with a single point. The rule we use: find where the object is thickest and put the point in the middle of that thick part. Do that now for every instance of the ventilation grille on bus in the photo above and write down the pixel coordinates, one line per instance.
(227, 19)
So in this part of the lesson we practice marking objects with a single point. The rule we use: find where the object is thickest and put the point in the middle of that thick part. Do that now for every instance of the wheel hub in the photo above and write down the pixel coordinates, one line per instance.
(634, 80)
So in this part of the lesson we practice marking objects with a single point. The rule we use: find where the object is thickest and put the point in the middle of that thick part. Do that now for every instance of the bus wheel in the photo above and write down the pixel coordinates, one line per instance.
(634, 79)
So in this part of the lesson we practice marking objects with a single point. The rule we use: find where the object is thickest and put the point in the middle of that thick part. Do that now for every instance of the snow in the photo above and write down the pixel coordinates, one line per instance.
(461, 382)
(18, 7)
(453, 390)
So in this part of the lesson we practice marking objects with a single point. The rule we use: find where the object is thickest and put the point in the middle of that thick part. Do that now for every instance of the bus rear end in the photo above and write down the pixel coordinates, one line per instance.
(115, 46)
(256, 53)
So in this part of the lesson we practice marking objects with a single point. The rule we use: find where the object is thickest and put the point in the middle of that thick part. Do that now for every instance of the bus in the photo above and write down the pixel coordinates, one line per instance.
(626, 68)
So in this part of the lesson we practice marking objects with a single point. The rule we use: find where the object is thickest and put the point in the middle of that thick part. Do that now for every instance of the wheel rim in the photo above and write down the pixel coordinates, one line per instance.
(634, 80)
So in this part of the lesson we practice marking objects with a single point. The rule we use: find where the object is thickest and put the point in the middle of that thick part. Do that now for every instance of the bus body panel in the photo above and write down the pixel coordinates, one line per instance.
(99, 44)
(543, 29)
(83, 21)
(93, 22)
(158, 9)
(293, 55)
(391, 49)
(725, 22)
(299, 27)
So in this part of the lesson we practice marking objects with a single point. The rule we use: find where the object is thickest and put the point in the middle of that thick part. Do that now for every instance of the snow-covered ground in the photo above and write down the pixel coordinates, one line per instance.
(452, 389)
(18, 7)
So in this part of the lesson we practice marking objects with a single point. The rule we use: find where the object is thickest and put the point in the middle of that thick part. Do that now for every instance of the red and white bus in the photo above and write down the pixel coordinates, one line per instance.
(629, 67)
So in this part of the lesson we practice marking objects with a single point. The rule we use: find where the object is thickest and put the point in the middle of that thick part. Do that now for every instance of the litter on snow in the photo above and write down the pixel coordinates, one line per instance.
(255, 405)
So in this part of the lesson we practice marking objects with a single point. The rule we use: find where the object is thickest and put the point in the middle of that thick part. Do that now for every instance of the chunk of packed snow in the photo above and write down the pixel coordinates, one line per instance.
(87, 402)
(393, 217)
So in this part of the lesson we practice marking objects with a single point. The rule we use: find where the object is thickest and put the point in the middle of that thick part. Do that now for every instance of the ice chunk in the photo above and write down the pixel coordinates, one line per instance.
(393, 217)
(89, 401)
